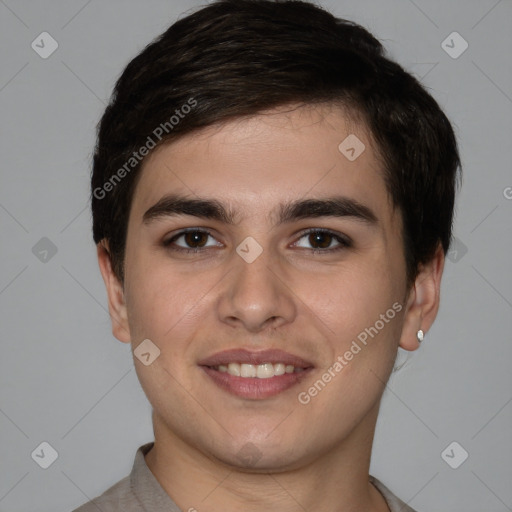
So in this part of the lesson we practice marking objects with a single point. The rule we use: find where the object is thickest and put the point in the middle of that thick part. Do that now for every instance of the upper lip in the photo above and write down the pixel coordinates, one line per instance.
(250, 357)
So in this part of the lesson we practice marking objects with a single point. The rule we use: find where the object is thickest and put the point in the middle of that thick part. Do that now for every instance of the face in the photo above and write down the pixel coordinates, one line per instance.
(267, 266)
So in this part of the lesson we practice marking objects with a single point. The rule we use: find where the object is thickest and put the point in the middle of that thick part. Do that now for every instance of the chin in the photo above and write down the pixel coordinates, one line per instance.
(260, 456)
(251, 459)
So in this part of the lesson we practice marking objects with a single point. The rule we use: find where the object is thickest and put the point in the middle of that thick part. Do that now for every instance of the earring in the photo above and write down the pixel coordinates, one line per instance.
(420, 335)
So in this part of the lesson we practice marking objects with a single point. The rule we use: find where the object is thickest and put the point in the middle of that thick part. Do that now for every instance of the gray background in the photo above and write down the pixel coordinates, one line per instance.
(65, 379)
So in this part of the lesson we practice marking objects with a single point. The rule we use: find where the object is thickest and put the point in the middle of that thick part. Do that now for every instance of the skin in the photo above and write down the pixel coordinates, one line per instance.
(310, 457)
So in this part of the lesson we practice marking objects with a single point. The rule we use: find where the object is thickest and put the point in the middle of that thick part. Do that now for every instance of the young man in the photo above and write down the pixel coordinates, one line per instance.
(272, 203)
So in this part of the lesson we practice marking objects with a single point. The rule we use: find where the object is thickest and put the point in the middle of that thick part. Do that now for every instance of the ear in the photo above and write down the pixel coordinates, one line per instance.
(115, 293)
(423, 301)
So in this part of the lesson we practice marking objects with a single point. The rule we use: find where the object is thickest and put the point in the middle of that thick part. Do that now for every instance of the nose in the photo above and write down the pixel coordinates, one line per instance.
(255, 295)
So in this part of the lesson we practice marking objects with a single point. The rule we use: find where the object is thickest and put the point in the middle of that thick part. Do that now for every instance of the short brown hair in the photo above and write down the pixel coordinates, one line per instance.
(236, 58)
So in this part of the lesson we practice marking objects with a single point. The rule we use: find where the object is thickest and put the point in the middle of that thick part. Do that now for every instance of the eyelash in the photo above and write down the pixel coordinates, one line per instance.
(344, 242)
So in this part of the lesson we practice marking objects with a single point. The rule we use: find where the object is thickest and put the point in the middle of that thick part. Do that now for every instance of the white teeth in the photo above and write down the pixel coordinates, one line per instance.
(279, 369)
(247, 370)
(265, 371)
(260, 371)
(234, 369)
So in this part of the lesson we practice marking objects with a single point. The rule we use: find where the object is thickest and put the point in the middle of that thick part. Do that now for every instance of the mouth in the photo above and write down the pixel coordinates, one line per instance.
(255, 375)
(260, 371)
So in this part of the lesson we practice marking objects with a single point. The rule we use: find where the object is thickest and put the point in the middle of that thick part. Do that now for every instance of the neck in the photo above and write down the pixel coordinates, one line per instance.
(336, 481)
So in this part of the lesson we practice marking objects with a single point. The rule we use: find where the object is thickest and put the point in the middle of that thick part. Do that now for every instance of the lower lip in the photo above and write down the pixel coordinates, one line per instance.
(252, 387)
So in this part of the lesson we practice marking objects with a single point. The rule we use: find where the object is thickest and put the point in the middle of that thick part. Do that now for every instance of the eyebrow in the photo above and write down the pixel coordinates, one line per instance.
(337, 206)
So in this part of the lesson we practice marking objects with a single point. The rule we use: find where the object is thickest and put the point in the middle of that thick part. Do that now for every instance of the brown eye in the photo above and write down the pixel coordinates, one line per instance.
(192, 240)
(320, 239)
(196, 238)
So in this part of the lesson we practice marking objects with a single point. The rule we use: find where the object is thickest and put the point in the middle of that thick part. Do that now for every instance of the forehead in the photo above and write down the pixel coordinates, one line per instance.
(251, 164)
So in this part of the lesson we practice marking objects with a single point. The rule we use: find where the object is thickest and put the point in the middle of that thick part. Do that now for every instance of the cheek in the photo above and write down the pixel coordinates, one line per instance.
(157, 305)
(352, 294)
(162, 308)
(173, 309)
(362, 306)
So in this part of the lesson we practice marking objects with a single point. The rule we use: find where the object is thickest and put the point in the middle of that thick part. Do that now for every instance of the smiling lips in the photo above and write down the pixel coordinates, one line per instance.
(255, 375)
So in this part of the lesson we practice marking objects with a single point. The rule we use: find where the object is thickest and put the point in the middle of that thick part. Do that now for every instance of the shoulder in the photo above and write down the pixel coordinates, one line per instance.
(118, 497)
(395, 504)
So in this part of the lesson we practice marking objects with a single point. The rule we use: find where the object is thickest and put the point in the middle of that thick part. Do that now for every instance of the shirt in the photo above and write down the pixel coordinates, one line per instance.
(140, 491)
